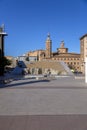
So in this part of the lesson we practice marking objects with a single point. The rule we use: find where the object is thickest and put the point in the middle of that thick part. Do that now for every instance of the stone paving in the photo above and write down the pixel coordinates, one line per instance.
(45, 104)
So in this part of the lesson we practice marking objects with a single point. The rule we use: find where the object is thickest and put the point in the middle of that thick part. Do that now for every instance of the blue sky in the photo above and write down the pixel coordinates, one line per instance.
(28, 22)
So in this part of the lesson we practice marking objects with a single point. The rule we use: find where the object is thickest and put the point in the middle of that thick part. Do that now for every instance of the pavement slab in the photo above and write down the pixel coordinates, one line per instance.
(29, 104)
(58, 122)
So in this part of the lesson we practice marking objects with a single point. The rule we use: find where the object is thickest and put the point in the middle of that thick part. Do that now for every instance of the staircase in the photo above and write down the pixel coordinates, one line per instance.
(66, 68)
(56, 66)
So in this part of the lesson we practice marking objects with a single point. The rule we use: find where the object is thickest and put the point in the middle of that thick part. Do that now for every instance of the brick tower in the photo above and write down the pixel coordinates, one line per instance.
(48, 47)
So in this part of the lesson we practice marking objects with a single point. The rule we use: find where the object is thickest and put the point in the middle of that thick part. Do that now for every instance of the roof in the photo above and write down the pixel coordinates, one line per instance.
(66, 54)
(83, 36)
(3, 33)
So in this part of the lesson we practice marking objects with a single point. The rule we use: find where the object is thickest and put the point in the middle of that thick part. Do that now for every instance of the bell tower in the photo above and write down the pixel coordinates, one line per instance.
(48, 47)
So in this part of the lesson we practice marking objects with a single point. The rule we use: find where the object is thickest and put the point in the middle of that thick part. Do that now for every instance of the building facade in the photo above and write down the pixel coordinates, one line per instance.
(74, 60)
(83, 51)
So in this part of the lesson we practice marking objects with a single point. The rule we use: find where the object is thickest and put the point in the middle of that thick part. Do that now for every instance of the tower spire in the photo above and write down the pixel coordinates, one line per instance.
(48, 36)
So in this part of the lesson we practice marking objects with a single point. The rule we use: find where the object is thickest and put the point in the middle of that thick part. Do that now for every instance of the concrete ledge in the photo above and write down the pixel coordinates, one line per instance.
(79, 77)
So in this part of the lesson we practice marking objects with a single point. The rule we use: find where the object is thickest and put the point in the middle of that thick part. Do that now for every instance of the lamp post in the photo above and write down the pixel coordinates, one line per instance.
(2, 34)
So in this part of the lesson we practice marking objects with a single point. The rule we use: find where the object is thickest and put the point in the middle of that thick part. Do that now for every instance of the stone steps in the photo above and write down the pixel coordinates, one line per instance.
(54, 65)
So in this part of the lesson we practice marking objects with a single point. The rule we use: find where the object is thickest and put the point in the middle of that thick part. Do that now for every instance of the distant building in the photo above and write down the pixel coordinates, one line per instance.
(21, 58)
(73, 60)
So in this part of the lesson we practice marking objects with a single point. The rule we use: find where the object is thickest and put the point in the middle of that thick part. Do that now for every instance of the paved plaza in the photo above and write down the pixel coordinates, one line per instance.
(44, 104)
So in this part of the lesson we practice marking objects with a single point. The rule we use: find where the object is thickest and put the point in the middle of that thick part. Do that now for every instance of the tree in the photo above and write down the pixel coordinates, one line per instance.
(4, 62)
(27, 59)
(72, 67)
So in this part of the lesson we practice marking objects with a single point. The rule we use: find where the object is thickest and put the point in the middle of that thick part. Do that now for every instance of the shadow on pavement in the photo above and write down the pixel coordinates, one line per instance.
(22, 83)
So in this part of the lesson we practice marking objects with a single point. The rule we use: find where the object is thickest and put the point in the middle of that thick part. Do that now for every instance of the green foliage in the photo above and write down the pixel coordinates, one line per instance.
(4, 61)
(40, 71)
(59, 73)
(27, 59)
(71, 67)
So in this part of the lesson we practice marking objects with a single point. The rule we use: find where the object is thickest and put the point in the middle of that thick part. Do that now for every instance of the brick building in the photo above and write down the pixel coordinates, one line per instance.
(73, 60)
(83, 51)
